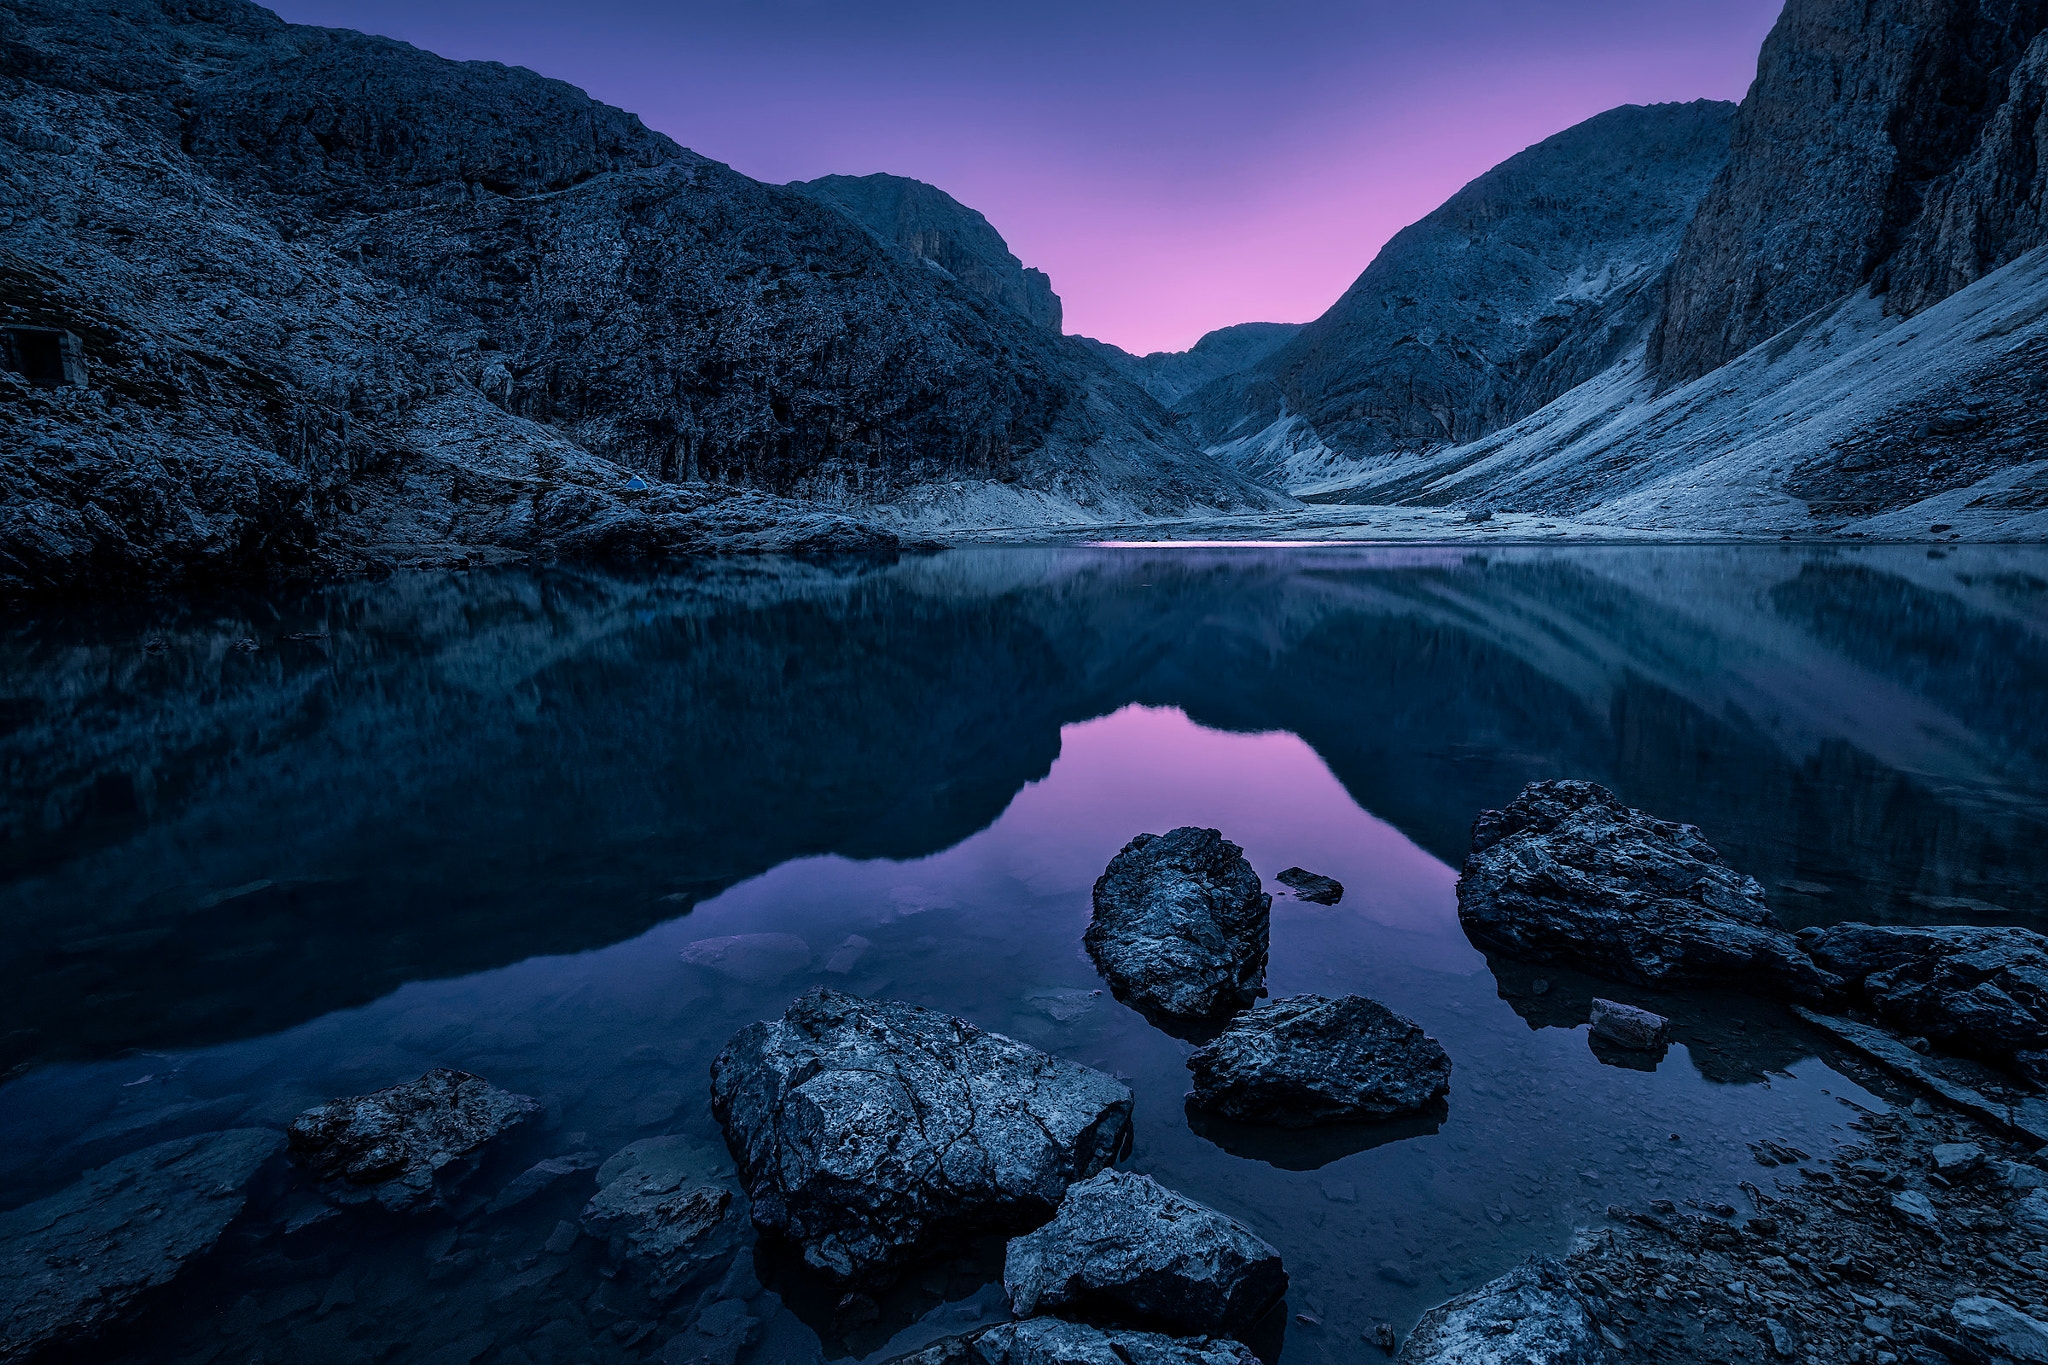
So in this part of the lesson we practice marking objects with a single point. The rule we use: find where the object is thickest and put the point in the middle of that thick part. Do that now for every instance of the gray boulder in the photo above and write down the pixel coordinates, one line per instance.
(669, 1207)
(1180, 926)
(76, 1263)
(1569, 875)
(1307, 1059)
(406, 1146)
(1982, 991)
(871, 1132)
(1124, 1248)
(1053, 1341)
(2002, 1330)
(1312, 887)
(1627, 1026)
(1530, 1316)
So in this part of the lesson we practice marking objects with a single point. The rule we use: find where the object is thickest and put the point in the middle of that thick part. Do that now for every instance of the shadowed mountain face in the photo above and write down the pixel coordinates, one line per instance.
(1530, 280)
(1171, 376)
(463, 771)
(934, 226)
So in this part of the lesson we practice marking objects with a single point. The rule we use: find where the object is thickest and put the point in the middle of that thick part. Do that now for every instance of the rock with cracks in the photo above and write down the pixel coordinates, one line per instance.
(1306, 1060)
(872, 1132)
(1123, 1248)
(1530, 1316)
(1053, 1341)
(1569, 875)
(1982, 991)
(1180, 926)
(669, 1208)
(406, 1146)
(77, 1262)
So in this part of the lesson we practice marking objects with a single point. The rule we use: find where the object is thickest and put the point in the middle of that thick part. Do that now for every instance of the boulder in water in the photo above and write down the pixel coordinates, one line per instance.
(1125, 1248)
(872, 1132)
(1180, 926)
(76, 1263)
(1312, 887)
(668, 1207)
(405, 1146)
(1569, 875)
(1306, 1060)
(1628, 1026)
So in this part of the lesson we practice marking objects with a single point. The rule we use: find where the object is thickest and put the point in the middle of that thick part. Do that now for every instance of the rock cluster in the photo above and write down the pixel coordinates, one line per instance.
(872, 1132)
(1307, 1059)
(1180, 926)
(1979, 991)
(669, 1208)
(1567, 874)
(76, 1263)
(1124, 1248)
(405, 1146)
(1053, 1341)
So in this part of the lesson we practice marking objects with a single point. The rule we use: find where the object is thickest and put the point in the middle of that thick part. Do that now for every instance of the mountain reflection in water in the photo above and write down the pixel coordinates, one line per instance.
(570, 829)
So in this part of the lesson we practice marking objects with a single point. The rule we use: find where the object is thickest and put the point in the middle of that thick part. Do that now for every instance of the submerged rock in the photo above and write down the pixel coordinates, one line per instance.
(755, 959)
(871, 1131)
(1054, 1341)
(1307, 1059)
(1567, 874)
(1982, 991)
(1180, 926)
(1627, 1026)
(1312, 887)
(1530, 1316)
(669, 1208)
(1125, 1248)
(404, 1147)
(76, 1263)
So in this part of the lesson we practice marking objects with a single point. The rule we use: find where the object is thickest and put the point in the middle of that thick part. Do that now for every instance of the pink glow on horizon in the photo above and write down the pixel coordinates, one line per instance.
(1174, 168)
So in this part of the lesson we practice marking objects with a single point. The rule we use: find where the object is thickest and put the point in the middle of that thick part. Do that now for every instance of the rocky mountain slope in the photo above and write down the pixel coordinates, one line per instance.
(935, 227)
(1171, 376)
(1530, 280)
(1853, 339)
(342, 302)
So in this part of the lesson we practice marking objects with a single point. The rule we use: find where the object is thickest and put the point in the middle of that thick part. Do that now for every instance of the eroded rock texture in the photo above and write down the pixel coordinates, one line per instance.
(1982, 991)
(1306, 1060)
(669, 1208)
(406, 1146)
(1053, 1341)
(872, 1132)
(1530, 1316)
(1124, 1248)
(78, 1262)
(1569, 875)
(1181, 925)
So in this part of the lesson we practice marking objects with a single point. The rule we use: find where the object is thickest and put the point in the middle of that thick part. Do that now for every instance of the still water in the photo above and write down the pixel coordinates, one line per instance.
(490, 821)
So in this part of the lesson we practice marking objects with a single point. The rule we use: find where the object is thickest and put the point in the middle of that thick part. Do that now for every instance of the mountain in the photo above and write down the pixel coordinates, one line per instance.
(1170, 376)
(1531, 279)
(934, 226)
(1854, 334)
(343, 303)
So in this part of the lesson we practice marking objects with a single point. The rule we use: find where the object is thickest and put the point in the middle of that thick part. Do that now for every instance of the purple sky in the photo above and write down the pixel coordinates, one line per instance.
(1174, 165)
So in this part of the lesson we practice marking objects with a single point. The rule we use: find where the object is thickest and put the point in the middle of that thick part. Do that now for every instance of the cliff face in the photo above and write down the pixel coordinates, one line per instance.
(934, 226)
(1531, 279)
(1859, 110)
(343, 302)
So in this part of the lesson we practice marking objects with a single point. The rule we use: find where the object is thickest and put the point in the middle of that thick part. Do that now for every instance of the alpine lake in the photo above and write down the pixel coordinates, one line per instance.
(518, 821)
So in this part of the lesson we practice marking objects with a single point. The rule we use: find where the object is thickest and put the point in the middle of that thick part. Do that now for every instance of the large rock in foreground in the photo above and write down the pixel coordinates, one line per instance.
(1976, 990)
(871, 1132)
(405, 1146)
(1180, 926)
(1530, 1316)
(668, 1207)
(74, 1264)
(1569, 875)
(1306, 1060)
(1125, 1248)
(1052, 1341)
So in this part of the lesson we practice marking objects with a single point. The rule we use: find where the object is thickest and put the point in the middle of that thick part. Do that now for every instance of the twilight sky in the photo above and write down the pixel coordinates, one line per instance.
(1174, 165)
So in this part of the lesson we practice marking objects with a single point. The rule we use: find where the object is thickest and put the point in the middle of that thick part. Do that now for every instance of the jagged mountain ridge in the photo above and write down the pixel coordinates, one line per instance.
(934, 226)
(344, 301)
(1531, 279)
(1171, 376)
